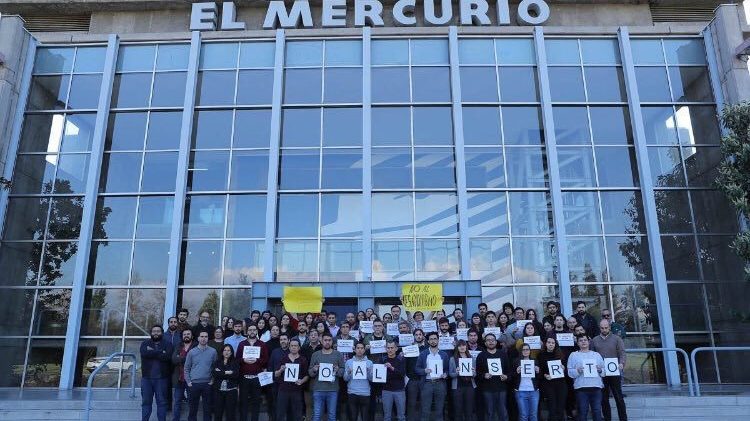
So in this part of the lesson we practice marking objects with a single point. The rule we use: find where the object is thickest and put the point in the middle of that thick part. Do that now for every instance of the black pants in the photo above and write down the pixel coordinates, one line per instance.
(412, 400)
(555, 392)
(463, 403)
(196, 393)
(613, 384)
(358, 406)
(570, 400)
(250, 398)
(225, 403)
(289, 406)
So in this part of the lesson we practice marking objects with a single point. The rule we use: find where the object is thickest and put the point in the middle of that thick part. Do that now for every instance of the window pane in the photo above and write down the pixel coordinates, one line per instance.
(301, 127)
(159, 172)
(58, 264)
(534, 260)
(392, 215)
(702, 165)
(526, 167)
(429, 51)
(296, 260)
(17, 305)
(172, 57)
(342, 126)
(481, 125)
(571, 125)
(576, 167)
(252, 128)
(216, 87)
(303, 86)
(20, 263)
(109, 263)
(515, 51)
(54, 60)
(437, 260)
(622, 212)
(518, 84)
(131, 90)
(522, 126)
(201, 263)
(605, 84)
(29, 216)
(136, 57)
(219, 55)
(530, 213)
(145, 309)
(436, 214)
(713, 212)
(341, 215)
(391, 168)
(254, 87)
(680, 260)
(257, 54)
(249, 170)
(611, 125)
(690, 84)
(488, 214)
(164, 130)
(154, 217)
(207, 171)
(212, 129)
(478, 84)
(120, 172)
(647, 51)
(300, 169)
(484, 167)
(340, 261)
(247, 216)
(659, 125)
(169, 89)
(581, 213)
(586, 257)
(304, 53)
(90, 59)
(562, 51)
(204, 216)
(104, 312)
(434, 168)
(115, 217)
(390, 84)
(126, 131)
(150, 263)
(342, 169)
(490, 260)
(298, 215)
(719, 261)
(673, 211)
(79, 132)
(392, 260)
(65, 218)
(566, 84)
(600, 51)
(685, 51)
(343, 85)
(390, 52)
(34, 174)
(697, 125)
(41, 133)
(476, 51)
(343, 53)
(48, 92)
(391, 126)
(653, 85)
(12, 355)
(628, 259)
(430, 84)
(84, 92)
(243, 262)
(666, 167)
(616, 166)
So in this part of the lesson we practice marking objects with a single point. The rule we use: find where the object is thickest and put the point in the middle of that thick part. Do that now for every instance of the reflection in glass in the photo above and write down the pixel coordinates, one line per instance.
(150, 263)
(201, 263)
(212, 129)
(159, 172)
(481, 125)
(576, 167)
(16, 311)
(586, 260)
(429, 51)
(713, 212)
(29, 216)
(300, 169)
(296, 260)
(252, 128)
(478, 84)
(207, 171)
(680, 259)
(433, 126)
(581, 213)
(571, 125)
(164, 130)
(145, 309)
(254, 87)
(51, 312)
(343, 85)
(690, 84)
(340, 261)
(48, 92)
(518, 84)
(109, 263)
(342, 169)
(530, 213)
(301, 127)
(436, 214)
(243, 262)
(437, 259)
(342, 127)
(484, 168)
(600, 51)
(666, 167)
(434, 168)
(673, 211)
(526, 167)
(204, 216)
(488, 214)
(490, 260)
(391, 51)
(34, 174)
(391, 126)
(340, 215)
(605, 84)
(659, 125)
(249, 170)
(653, 85)
(246, 216)
(702, 165)
(616, 166)
(169, 89)
(390, 84)
(628, 259)
(719, 262)
(19, 263)
(84, 92)
(126, 131)
(622, 212)
(522, 126)
(392, 215)
(54, 60)
(343, 53)
(697, 125)
(515, 51)
(46, 353)
(430, 84)
(566, 84)
(392, 260)
(215, 87)
(611, 125)
(154, 217)
(534, 260)
(391, 168)
(136, 57)
(298, 215)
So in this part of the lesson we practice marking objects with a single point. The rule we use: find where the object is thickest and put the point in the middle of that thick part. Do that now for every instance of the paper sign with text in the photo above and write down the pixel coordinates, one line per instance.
(535, 342)
(429, 326)
(379, 373)
(422, 297)
(359, 370)
(527, 368)
(493, 330)
(265, 378)
(611, 367)
(391, 329)
(494, 366)
(377, 347)
(405, 339)
(411, 351)
(291, 373)
(589, 368)
(565, 339)
(556, 369)
(445, 343)
(325, 373)
(251, 352)
(365, 326)
(345, 345)
(465, 367)
(462, 333)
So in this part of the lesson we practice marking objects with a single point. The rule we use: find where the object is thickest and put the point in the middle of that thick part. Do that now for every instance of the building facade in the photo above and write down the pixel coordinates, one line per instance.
(167, 156)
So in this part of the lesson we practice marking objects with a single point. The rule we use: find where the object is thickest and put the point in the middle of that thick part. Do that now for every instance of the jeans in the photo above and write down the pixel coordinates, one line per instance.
(463, 403)
(433, 392)
(496, 405)
(179, 391)
(555, 391)
(391, 397)
(589, 396)
(613, 384)
(149, 388)
(412, 400)
(528, 405)
(358, 407)
(289, 406)
(250, 393)
(197, 392)
(225, 403)
(327, 399)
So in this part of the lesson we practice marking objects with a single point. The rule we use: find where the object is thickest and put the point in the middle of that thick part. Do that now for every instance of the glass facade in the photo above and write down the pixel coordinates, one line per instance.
(350, 160)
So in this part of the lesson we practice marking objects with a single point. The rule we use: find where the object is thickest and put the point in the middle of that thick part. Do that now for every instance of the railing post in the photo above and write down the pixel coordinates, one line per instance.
(694, 352)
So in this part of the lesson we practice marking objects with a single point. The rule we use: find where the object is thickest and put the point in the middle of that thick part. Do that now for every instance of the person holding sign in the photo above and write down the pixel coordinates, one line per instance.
(325, 366)
(394, 388)
(462, 372)
(432, 367)
(253, 356)
(412, 386)
(609, 345)
(493, 382)
(226, 381)
(293, 371)
(554, 386)
(526, 375)
(378, 334)
(586, 368)
(532, 335)
(357, 373)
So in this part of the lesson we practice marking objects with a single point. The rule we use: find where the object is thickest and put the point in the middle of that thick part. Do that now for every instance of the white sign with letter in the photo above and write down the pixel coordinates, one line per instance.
(565, 339)
(535, 342)
(325, 373)
(527, 368)
(405, 339)
(589, 368)
(493, 330)
(465, 367)
(378, 373)
(611, 367)
(365, 326)
(265, 378)
(359, 370)
(556, 369)
(494, 366)
(251, 352)
(429, 326)
(445, 343)
(377, 347)
(436, 367)
(462, 333)
(411, 351)
(291, 373)
(345, 345)
(391, 329)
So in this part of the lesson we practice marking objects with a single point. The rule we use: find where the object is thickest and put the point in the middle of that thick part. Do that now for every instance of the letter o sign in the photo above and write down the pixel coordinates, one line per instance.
(533, 12)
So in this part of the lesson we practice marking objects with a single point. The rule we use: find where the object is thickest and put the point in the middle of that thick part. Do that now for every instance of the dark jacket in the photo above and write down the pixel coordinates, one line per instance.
(178, 363)
(589, 324)
(221, 371)
(174, 338)
(542, 359)
(494, 383)
(260, 363)
(394, 380)
(515, 377)
(422, 363)
(156, 358)
(198, 328)
(411, 366)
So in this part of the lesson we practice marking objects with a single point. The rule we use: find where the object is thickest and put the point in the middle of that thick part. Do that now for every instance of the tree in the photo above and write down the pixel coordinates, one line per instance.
(734, 173)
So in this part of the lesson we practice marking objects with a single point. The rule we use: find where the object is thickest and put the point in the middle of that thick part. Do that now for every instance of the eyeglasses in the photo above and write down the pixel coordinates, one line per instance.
(607, 315)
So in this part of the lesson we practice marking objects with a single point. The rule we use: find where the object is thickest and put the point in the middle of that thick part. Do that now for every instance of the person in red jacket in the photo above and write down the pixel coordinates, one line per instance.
(250, 389)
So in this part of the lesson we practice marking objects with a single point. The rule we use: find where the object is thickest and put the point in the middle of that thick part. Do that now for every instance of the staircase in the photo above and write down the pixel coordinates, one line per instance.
(37, 405)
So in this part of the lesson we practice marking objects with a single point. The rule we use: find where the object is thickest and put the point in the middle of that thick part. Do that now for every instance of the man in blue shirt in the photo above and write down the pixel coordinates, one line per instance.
(432, 367)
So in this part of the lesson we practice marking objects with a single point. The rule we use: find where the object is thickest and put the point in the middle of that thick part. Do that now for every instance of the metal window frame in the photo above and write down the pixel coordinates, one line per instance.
(70, 352)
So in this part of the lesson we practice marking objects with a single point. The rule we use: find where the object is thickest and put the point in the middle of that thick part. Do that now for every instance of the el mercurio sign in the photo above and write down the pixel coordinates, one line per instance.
(212, 16)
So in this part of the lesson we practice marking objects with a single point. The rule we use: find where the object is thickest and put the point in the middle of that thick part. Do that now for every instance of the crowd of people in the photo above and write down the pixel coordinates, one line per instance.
(504, 365)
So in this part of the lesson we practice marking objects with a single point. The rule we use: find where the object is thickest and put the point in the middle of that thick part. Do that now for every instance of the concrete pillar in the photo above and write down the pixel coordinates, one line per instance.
(728, 31)
(14, 41)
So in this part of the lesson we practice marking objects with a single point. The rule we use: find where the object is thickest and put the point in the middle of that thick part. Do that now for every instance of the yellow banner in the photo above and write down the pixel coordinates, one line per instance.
(303, 299)
(422, 297)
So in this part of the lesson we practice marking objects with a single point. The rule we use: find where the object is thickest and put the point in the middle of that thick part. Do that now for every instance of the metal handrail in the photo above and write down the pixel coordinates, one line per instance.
(665, 350)
(709, 348)
(90, 382)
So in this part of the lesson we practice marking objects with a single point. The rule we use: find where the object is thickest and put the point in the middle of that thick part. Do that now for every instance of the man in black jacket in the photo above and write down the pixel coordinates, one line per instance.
(156, 356)
(586, 320)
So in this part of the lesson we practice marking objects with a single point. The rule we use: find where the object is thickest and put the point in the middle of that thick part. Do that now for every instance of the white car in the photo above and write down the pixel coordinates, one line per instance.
(115, 364)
